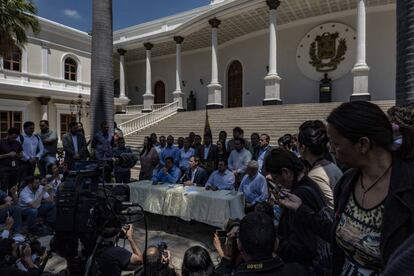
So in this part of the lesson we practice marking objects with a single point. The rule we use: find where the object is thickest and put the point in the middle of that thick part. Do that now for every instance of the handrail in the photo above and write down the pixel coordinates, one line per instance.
(134, 109)
(148, 119)
(158, 106)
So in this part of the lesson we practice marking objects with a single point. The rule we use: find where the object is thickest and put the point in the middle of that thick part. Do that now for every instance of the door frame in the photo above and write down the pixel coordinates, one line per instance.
(226, 81)
(165, 87)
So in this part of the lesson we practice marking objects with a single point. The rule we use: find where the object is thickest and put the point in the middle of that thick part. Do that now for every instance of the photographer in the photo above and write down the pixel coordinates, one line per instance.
(8, 208)
(257, 242)
(113, 259)
(158, 262)
(9, 257)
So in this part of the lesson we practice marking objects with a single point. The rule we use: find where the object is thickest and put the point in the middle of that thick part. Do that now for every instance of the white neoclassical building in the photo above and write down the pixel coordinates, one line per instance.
(235, 53)
(230, 53)
(44, 79)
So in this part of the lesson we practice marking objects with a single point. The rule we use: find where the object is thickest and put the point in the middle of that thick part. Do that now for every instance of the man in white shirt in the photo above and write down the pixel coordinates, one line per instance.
(253, 186)
(32, 150)
(238, 159)
(36, 201)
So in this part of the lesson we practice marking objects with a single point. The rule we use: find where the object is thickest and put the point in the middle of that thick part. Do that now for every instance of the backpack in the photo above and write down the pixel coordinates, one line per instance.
(322, 263)
(21, 140)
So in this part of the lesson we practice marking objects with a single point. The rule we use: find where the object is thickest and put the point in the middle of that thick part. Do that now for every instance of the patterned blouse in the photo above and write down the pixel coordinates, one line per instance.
(359, 234)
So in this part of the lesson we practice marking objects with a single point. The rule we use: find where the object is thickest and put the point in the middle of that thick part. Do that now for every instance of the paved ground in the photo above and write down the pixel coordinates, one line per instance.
(178, 234)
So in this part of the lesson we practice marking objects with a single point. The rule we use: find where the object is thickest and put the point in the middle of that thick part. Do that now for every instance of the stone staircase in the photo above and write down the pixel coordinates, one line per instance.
(273, 120)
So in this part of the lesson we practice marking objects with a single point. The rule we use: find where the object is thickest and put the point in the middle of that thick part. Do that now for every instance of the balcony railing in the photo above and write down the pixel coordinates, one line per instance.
(148, 119)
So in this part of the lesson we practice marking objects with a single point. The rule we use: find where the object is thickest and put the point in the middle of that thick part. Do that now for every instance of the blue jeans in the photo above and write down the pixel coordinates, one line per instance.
(45, 162)
(16, 213)
(46, 210)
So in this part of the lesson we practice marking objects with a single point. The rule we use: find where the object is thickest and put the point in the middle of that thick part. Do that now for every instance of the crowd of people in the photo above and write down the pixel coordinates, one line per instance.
(337, 198)
(32, 168)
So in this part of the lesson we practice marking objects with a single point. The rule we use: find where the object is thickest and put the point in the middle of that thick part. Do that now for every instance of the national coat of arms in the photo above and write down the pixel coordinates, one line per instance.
(324, 54)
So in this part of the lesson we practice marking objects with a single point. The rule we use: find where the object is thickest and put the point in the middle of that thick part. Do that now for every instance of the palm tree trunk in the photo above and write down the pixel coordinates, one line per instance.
(102, 85)
(405, 52)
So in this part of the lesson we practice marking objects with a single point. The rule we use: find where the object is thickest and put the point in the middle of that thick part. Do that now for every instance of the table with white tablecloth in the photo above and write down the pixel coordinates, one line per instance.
(188, 203)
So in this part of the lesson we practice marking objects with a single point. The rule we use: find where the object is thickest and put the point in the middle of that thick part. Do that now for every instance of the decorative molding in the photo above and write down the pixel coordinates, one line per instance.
(43, 100)
(178, 39)
(273, 4)
(78, 69)
(121, 51)
(148, 46)
(214, 22)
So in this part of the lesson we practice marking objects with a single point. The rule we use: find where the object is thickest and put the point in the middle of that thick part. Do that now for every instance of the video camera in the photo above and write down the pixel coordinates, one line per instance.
(85, 205)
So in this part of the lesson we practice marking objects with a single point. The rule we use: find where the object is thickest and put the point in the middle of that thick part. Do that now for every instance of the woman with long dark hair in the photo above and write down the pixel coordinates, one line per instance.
(149, 159)
(221, 151)
(297, 242)
(312, 145)
(374, 201)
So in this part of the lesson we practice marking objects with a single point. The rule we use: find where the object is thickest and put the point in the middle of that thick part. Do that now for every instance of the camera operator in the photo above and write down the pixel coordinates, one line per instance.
(9, 256)
(113, 259)
(158, 262)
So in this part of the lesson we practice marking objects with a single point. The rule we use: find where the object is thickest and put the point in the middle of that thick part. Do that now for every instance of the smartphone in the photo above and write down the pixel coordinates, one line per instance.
(222, 236)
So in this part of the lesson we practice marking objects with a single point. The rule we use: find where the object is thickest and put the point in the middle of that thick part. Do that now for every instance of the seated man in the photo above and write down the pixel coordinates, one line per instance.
(36, 201)
(9, 257)
(195, 175)
(9, 208)
(221, 179)
(168, 174)
(257, 239)
(253, 185)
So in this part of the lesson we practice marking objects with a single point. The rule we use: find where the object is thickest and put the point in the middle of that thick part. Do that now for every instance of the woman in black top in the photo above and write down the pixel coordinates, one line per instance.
(374, 201)
(297, 243)
(221, 151)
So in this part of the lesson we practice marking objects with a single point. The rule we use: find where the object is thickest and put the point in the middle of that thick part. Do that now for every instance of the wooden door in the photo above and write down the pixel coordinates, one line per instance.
(235, 85)
(159, 92)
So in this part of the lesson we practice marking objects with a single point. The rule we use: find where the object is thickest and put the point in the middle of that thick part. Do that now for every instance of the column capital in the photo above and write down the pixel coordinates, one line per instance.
(214, 22)
(273, 4)
(178, 39)
(43, 100)
(148, 46)
(121, 51)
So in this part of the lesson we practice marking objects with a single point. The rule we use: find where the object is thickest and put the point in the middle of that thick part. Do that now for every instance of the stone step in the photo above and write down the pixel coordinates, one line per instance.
(273, 120)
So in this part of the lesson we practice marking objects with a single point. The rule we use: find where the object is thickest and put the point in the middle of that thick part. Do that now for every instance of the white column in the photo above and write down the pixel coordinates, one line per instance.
(44, 103)
(361, 69)
(122, 53)
(148, 96)
(1, 68)
(25, 65)
(178, 94)
(214, 88)
(272, 79)
(45, 64)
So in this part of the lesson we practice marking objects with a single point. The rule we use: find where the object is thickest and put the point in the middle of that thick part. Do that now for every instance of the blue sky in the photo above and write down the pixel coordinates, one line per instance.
(78, 13)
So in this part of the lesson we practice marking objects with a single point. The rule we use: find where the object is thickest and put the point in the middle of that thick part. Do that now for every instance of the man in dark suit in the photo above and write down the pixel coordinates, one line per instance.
(74, 145)
(208, 154)
(195, 174)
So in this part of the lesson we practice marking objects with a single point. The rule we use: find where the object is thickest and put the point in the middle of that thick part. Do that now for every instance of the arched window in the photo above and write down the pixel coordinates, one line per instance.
(71, 69)
(13, 60)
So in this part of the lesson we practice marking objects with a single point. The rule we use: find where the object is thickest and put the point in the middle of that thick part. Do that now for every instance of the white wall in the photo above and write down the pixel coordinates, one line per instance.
(253, 54)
